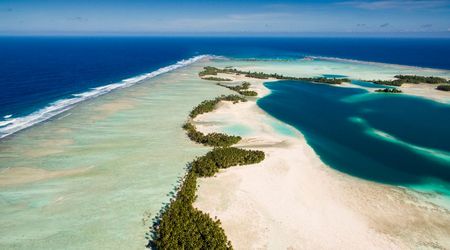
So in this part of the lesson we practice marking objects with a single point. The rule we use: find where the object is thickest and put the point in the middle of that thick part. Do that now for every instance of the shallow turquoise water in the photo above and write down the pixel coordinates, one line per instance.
(398, 140)
(126, 155)
(282, 128)
(333, 76)
(237, 129)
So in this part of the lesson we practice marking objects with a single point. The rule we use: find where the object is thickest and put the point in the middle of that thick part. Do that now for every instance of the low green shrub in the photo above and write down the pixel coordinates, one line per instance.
(400, 79)
(389, 90)
(218, 158)
(396, 83)
(210, 105)
(241, 89)
(212, 139)
(248, 93)
(212, 78)
(208, 70)
(443, 87)
(420, 79)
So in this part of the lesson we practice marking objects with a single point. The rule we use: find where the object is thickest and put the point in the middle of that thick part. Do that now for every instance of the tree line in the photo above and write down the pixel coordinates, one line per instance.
(208, 70)
(179, 224)
(241, 89)
(210, 105)
(226, 157)
(211, 139)
(389, 90)
(415, 79)
(443, 87)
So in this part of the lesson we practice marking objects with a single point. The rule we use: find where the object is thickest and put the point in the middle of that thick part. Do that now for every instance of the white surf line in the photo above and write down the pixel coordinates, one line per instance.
(12, 125)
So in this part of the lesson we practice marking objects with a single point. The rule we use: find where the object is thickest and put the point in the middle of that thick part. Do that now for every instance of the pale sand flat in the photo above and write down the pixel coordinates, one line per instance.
(426, 91)
(292, 200)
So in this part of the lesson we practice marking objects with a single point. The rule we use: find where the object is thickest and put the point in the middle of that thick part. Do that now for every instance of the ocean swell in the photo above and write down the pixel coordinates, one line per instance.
(11, 125)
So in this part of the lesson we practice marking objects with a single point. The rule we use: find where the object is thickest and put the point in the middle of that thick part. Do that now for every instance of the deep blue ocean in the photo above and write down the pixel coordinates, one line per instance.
(41, 76)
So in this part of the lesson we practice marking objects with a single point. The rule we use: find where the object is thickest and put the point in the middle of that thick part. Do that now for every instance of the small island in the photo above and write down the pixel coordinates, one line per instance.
(241, 89)
(389, 90)
(414, 79)
(219, 79)
(208, 70)
(443, 87)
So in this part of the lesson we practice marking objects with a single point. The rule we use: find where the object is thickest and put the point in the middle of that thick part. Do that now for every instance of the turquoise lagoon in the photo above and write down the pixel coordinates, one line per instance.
(393, 139)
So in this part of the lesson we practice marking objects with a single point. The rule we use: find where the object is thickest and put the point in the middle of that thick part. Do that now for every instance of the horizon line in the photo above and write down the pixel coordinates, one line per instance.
(441, 34)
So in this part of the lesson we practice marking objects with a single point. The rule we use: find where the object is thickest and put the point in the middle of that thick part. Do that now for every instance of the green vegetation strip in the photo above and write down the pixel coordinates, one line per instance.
(182, 226)
(211, 139)
(241, 89)
(218, 158)
(210, 105)
(260, 75)
(443, 87)
(389, 90)
(211, 78)
(400, 79)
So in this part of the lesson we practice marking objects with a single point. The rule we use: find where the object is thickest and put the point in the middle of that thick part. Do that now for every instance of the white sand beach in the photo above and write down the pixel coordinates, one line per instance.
(427, 91)
(292, 200)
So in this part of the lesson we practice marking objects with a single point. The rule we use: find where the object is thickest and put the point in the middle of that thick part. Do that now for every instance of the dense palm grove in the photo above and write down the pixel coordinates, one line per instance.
(401, 79)
(443, 87)
(210, 105)
(218, 158)
(211, 139)
(389, 90)
(420, 79)
(260, 75)
(241, 89)
(212, 78)
(180, 225)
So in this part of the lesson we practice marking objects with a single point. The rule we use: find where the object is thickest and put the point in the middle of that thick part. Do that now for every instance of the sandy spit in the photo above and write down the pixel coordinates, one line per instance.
(292, 200)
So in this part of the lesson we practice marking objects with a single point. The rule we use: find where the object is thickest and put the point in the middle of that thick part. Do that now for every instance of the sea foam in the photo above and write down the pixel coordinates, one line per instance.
(12, 125)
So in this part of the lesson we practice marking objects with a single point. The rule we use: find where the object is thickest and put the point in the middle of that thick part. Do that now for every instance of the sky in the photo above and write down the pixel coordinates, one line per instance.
(266, 17)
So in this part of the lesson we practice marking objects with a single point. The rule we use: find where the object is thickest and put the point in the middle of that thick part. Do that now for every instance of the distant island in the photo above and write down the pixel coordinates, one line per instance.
(401, 79)
(261, 75)
(389, 90)
(241, 89)
(443, 87)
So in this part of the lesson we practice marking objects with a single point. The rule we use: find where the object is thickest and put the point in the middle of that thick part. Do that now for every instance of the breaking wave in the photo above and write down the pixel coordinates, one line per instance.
(10, 125)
